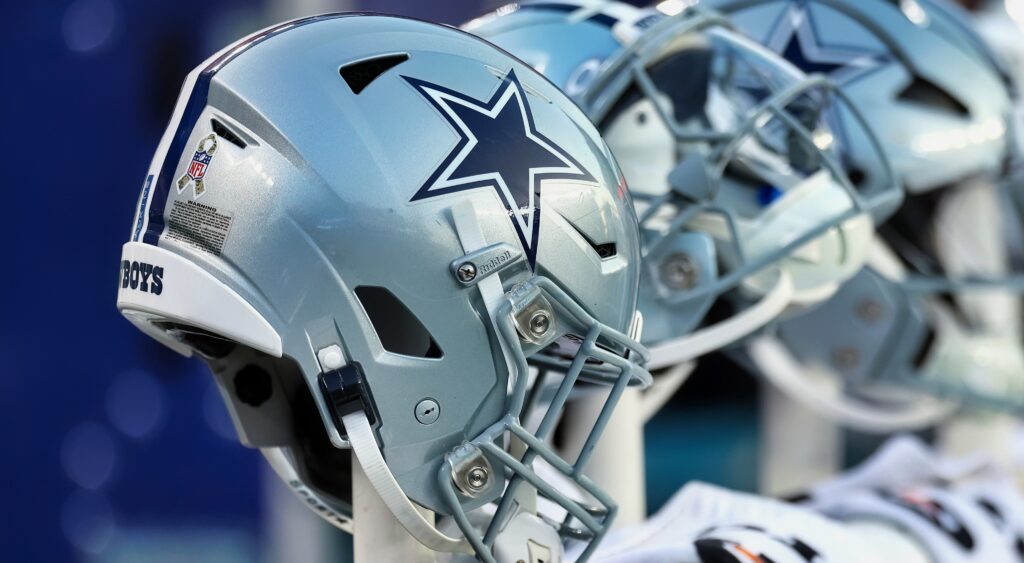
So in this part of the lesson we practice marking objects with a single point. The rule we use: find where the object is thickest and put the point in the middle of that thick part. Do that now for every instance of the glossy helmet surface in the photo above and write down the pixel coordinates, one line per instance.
(742, 188)
(366, 225)
(941, 106)
(940, 110)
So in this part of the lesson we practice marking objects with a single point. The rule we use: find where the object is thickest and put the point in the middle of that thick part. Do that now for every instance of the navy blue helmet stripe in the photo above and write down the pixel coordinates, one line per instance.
(194, 107)
(190, 116)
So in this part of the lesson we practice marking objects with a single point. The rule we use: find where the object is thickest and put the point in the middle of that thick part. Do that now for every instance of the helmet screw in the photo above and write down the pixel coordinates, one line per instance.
(679, 271)
(471, 472)
(466, 272)
(845, 358)
(870, 311)
(540, 322)
(476, 478)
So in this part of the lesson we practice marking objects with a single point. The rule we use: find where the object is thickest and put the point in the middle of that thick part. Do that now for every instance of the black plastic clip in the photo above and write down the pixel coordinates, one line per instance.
(345, 391)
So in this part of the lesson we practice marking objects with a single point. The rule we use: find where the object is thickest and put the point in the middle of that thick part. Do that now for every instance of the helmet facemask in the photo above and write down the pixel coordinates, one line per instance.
(915, 318)
(725, 144)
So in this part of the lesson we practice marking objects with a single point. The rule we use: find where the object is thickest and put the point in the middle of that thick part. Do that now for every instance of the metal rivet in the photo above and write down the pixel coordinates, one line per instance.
(477, 477)
(679, 271)
(471, 472)
(540, 322)
(846, 358)
(870, 311)
(427, 411)
(466, 272)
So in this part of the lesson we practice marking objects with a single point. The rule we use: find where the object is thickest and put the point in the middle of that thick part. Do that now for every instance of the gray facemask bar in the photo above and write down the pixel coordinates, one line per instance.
(724, 152)
(630, 65)
(595, 521)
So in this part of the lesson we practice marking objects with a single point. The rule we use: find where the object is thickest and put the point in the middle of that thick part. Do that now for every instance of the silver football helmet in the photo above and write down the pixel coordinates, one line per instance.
(943, 110)
(368, 227)
(744, 191)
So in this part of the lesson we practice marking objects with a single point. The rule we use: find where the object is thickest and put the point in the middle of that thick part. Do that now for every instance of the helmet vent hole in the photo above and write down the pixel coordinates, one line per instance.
(925, 350)
(923, 92)
(398, 330)
(360, 74)
(857, 177)
(604, 250)
(223, 132)
(253, 385)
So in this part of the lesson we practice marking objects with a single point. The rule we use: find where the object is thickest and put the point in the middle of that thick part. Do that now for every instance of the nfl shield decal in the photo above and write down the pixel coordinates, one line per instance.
(198, 166)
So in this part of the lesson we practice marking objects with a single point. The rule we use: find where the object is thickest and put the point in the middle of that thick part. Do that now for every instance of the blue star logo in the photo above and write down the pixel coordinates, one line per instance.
(499, 148)
(796, 39)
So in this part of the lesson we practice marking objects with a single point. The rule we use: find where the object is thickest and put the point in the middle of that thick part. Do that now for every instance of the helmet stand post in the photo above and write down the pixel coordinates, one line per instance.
(617, 464)
(376, 534)
(788, 466)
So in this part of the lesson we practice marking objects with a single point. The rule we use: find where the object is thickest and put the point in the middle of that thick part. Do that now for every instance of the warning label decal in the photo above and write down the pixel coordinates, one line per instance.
(202, 226)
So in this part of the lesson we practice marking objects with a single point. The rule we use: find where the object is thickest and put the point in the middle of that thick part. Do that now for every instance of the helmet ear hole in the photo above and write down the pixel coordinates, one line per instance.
(253, 385)
(397, 328)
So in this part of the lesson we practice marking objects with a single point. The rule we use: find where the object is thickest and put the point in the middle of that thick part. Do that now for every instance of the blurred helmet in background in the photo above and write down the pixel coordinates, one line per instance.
(746, 195)
(366, 226)
(943, 109)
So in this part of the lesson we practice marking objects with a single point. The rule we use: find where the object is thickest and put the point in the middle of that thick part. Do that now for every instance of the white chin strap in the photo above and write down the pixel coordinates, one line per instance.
(719, 335)
(823, 393)
(364, 444)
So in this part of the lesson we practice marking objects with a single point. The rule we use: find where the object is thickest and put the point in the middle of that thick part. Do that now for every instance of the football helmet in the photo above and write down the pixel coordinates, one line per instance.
(943, 111)
(368, 226)
(743, 190)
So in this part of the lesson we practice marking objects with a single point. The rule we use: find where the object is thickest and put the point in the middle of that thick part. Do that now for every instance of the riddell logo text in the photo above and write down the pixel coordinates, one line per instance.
(142, 276)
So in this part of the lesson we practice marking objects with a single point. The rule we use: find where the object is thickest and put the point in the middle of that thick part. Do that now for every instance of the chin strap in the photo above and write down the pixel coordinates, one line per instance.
(719, 335)
(364, 444)
(813, 391)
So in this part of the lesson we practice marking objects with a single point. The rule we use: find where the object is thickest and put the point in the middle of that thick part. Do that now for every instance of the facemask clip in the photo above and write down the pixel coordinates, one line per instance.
(471, 473)
(533, 314)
